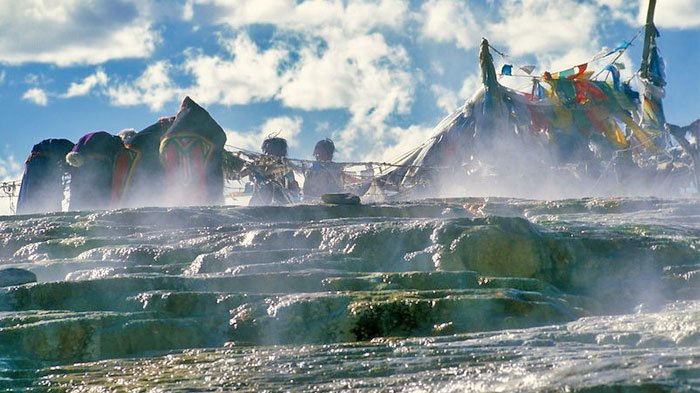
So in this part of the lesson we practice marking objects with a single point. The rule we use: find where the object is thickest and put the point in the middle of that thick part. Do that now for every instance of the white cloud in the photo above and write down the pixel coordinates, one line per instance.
(99, 78)
(554, 61)
(356, 17)
(449, 100)
(37, 96)
(363, 16)
(437, 67)
(2, 76)
(324, 55)
(402, 140)
(36, 79)
(323, 127)
(388, 144)
(244, 140)
(355, 69)
(450, 21)
(153, 88)
(188, 11)
(246, 75)
(285, 127)
(72, 32)
(5, 206)
(620, 9)
(341, 65)
(681, 14)
(445, 98)
(361, 73)
(470, 86)
(10, 168)
(10, 171)
(537, 26)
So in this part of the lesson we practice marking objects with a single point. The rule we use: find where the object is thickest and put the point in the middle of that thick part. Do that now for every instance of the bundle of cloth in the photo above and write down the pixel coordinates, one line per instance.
(139, 177)
(191, 151)
(42, 182)
(92, 161)
(175, 161)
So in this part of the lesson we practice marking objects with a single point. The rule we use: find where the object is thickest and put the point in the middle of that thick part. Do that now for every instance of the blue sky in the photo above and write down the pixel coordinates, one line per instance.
(376, 76)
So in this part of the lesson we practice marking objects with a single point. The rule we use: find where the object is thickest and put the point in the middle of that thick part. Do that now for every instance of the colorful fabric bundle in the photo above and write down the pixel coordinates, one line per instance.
(42, 183)
(139, 175)
(191, 152)
(93, 159)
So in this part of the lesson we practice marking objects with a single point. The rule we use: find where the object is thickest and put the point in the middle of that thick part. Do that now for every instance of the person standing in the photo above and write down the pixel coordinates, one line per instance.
(324, 176)
(273, 179)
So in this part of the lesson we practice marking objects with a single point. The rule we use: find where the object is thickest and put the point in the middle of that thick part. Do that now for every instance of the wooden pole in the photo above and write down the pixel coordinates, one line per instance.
(649, 35)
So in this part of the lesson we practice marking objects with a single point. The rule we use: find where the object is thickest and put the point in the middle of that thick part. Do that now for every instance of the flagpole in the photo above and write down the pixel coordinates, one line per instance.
(649, 35)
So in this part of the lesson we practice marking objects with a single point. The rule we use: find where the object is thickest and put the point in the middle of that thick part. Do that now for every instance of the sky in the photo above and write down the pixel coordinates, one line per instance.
(375, 76)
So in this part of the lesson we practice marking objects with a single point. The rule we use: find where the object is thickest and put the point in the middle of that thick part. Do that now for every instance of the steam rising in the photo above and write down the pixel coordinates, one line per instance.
(475, 153)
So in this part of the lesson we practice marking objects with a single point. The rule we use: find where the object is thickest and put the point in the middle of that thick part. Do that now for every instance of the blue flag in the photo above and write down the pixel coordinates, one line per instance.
(615, 75)
(507, 69)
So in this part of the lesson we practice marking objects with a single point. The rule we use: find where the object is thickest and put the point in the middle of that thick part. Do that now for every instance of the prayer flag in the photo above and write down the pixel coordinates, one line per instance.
(623, 46)
(507, 69)
(602, 53)
(615, 75)
(527, 68)
(571, 73)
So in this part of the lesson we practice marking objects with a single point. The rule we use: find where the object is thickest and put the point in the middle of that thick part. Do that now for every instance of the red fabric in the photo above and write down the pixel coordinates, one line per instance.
(538, 120)
(594, 117)
(185, 161)
(198, 172)
(120, 176)
(587, 91)
(581, 70)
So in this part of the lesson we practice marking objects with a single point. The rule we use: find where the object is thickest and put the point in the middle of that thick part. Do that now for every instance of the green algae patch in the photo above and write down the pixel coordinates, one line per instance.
(361, 316)
(183, 304)
(75, 337)
(423, 314)
(510, 247)
(406, 280)
(401, 316)
(114, 293)
(61, 339)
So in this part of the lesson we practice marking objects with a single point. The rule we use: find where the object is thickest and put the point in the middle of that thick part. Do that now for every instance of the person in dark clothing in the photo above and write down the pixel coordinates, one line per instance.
(324, 176)
(273, 180)
(191, 151)
(42, 183)
(93, 161)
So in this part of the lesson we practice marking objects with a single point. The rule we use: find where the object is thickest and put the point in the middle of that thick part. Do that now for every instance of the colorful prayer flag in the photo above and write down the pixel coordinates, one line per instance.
(507, 69)
(571, 73)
